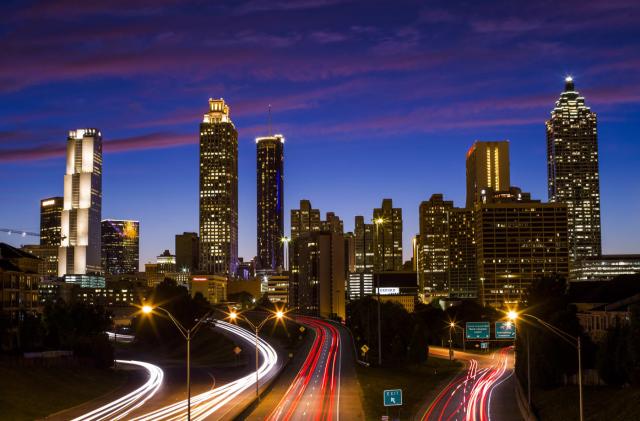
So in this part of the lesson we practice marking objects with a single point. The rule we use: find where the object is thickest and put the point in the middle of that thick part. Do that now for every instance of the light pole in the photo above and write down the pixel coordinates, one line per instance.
(452, 326)
(187, 334)
(233, 316)
(572, 340)
(285, 252)
(378, 222)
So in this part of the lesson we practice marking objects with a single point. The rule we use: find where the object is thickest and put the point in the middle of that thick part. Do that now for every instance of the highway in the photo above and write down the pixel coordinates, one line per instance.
(471, 396)
(121, 407)
(314, 393)
(217, 403)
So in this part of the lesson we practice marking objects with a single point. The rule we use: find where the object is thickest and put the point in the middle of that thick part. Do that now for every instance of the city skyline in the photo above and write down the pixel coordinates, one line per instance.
(319, 107)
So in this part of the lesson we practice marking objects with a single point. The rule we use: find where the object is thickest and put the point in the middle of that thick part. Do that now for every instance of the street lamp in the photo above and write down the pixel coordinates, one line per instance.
(572, 340)
(379, 221)
(234, 316)
(285, 244)
(452, 326)
(187, 334)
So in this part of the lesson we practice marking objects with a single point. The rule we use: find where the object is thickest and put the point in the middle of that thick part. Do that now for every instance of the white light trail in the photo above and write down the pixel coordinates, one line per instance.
(120, 337)
(119, 408)
(207, 403)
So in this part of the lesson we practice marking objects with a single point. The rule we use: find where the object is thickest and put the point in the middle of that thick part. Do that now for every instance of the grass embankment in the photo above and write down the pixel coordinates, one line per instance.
(34, 392)
(416, 381)
(600, 403)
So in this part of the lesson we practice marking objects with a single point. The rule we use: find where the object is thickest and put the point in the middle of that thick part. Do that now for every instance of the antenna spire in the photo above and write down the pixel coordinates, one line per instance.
(270, 133)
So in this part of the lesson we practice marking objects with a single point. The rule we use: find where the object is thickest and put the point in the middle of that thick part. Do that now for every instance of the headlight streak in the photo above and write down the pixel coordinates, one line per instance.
(323, 361)
(119, 408)
(207, 403)
(120, 337)
(471, 393)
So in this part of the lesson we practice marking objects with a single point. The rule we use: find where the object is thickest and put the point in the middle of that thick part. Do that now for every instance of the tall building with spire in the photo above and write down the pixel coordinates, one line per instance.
(270, 202)
(218, 191)
(573, 176)
(487, 167)
(80, 230)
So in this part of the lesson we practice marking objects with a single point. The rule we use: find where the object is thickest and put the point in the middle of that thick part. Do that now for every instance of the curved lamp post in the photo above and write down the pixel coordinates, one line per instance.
(233, 316)
(187, 334)
(572, 340)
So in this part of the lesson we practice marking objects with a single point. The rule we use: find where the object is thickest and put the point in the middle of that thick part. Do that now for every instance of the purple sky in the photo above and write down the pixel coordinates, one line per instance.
(376, 99)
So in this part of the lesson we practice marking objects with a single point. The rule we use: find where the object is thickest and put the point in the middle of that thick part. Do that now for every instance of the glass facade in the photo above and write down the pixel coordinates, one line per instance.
(120, 246)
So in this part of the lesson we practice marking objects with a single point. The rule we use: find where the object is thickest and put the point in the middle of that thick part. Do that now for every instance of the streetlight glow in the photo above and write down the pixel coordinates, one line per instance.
(146, 309)
(279, 314)
(512, 315)
(233, 315)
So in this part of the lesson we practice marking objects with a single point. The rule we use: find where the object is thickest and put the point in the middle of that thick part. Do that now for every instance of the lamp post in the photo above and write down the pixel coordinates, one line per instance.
(187, 334)
(233, 316)
(378, 222)
(285, 252)
(572, 340)
(452, 325)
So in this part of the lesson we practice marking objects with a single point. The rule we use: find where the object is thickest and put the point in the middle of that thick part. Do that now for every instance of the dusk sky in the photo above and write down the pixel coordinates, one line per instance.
(376, 99)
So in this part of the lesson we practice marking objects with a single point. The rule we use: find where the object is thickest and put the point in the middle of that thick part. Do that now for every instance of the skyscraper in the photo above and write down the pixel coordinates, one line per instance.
(387, 237)
(79, 251)
(50, 221)
(487, 167)
(518, 240)
(363, 233)
(270, 201)
(187, 252)
(332, 223)
(218, 191)
(446, 249)
(120, 246)
(572, 154)
(303, 220)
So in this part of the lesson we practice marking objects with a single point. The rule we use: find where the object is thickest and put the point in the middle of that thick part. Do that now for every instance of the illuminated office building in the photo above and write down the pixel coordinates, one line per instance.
(333, 223)
(270, 202)
(573, 177)
(218, 191)
(364, 248)
(518, 240)
(446, 250)
(321, 278)
(605, 267)
(120, 246)
(387, 237)
(487, 167)
(304, 220)
(79, 252)
(51, 221)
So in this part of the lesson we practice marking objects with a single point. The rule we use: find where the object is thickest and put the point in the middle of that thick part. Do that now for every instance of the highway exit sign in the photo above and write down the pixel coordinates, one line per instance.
(478, 330)
(392, 397)
(505, 330)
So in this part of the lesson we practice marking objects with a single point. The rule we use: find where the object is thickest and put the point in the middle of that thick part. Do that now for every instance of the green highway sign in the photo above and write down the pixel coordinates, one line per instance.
(478, 330)
(392, 397)
(505, 330)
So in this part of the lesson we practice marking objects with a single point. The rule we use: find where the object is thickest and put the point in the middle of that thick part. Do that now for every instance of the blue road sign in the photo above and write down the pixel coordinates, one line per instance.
(392, 397)
(478, 330)
(505, 330)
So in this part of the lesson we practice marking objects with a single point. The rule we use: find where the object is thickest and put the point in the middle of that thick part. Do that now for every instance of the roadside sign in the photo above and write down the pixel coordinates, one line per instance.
(505, 330)
(484, 345)
(478, 330)
(392, 397)
(237, 350)
(364, 348)
(301, 329)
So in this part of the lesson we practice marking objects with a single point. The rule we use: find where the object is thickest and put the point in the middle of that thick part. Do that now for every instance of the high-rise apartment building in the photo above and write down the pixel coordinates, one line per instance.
(487, 167)
(364, 245)
(187, 253)
(51, 221)
(387, 237)
(270, 202)
(321, 278)
(573, 176)
(518, 240)
(333, 223)
(218, 191)
(120, 246)
(446, 250)
(80, 232)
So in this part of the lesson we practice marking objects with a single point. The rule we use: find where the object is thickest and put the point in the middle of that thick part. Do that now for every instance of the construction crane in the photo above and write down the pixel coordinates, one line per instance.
(11, 231)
